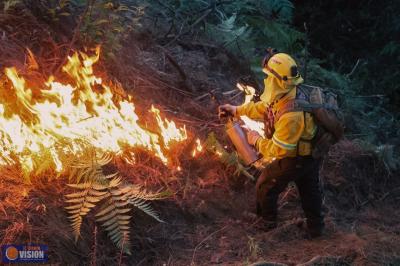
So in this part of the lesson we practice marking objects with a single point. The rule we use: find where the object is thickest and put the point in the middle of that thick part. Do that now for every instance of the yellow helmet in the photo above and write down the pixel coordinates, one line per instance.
(283, 67)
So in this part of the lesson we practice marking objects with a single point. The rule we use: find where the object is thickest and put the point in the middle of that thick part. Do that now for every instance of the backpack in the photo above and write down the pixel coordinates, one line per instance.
(322, 104)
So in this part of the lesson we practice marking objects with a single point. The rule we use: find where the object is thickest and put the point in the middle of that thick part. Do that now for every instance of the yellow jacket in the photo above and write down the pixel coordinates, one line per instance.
(292, 131)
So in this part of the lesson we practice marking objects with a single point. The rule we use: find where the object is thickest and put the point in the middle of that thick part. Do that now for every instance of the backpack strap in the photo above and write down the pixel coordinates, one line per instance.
(309, 107)
(289, 106)
(298, 105)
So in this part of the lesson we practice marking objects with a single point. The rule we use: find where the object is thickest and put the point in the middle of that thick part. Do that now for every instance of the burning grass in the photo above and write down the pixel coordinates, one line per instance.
(50, 128)
(42, 128)
(208, 220)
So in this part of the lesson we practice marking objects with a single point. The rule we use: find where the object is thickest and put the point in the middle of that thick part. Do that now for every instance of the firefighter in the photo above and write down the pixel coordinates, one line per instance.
(287, 143)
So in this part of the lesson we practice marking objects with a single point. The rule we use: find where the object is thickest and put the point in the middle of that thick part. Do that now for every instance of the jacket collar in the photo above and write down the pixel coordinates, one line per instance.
(279, 103)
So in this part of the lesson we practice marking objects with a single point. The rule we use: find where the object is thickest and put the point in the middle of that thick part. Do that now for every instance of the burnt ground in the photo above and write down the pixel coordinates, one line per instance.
(210, 219)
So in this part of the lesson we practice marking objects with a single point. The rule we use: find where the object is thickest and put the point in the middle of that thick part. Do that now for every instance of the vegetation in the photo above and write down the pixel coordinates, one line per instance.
(245, 28)
(356, 63)
(230, 159)
(361, 48)
(115, 195)
(340, 60)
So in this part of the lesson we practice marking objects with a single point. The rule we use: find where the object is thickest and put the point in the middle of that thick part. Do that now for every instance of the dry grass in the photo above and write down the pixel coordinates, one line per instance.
(354, 177)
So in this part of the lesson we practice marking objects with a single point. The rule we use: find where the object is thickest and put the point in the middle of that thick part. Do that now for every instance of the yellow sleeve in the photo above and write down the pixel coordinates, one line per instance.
(288, 131)
(252, 110)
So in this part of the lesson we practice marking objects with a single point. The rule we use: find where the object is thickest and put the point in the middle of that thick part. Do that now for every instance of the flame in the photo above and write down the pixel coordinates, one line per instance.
(61, 120)
(197, 149)
(169, 131)
(249, 123)
(249, 92)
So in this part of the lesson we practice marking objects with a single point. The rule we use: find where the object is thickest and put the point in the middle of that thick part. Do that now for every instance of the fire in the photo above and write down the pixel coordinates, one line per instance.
(250, 123)
(249, 91)
(197, 149)
(63, 120)
(169, 131)
(253, 125)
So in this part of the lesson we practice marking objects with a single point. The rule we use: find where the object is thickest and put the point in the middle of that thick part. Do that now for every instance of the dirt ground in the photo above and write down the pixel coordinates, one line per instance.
(210, 220)
(213, 222)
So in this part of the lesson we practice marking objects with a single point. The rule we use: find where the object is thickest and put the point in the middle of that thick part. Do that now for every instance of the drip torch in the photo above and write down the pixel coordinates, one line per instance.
(238, 137)
(237, 134)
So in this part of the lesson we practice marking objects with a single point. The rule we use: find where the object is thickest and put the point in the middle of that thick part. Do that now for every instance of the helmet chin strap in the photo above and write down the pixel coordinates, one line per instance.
(284, 78)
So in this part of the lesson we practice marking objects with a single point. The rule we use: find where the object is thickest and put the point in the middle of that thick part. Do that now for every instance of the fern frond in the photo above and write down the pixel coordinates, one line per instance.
(80, 185)
(137, 191)
(94, 186)
(94, 159)
(76, 195)
(115, 182)
(111, 176)
(145, 207)
(97, 187)
(230, 35)
(282, 9)
(115, 221)
(82, 202)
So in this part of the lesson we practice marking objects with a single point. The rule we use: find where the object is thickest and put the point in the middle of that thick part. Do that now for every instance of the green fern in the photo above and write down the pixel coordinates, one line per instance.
(232, 36)
(108, 23)
(280, 9)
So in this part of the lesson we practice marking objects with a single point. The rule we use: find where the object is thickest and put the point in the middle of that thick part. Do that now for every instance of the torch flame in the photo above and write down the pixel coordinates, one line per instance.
(248, 122)
(62, 120)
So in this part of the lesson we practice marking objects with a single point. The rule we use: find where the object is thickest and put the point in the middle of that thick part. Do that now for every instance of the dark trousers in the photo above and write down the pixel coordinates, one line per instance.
(304, 171)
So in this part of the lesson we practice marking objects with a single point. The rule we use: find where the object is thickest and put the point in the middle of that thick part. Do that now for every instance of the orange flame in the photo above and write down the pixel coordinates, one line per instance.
(197, 149)
(169, 131)
(66, 119)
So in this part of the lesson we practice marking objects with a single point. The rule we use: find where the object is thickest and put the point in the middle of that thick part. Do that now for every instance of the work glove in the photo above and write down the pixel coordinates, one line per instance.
(252, 137)
(227, 109)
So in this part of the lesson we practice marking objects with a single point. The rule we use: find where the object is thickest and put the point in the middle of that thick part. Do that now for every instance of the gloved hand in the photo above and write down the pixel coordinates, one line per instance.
(252, 137)
(226, 109)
